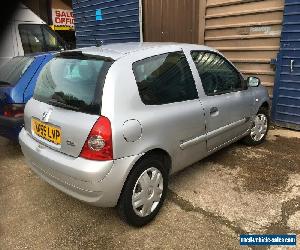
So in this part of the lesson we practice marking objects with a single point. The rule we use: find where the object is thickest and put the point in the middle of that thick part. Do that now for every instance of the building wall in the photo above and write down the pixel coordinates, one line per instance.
(61, 4)
(286, 99)
(40, 8)
(247, 32)
(119, 21)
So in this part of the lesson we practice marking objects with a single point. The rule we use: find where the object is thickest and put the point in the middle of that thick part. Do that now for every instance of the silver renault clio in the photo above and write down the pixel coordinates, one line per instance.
(108, 125)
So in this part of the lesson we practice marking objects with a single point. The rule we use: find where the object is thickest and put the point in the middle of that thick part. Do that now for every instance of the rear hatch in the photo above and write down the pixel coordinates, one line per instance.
(67, 101)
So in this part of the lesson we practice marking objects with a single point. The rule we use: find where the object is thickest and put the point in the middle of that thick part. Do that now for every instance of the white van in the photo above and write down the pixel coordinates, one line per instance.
(25, 34)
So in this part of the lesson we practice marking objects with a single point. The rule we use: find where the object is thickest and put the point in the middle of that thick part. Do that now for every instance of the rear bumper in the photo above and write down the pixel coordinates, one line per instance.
(10, 127)
(96, 182)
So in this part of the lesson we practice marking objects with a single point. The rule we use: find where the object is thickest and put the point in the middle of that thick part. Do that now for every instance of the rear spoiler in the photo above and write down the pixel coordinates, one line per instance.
(77, 54)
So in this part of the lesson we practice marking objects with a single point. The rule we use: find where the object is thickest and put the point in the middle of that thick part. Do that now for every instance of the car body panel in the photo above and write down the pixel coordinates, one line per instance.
(97, 183)
(73, 134)
(231, 118)
(186, 131)
(119, 108)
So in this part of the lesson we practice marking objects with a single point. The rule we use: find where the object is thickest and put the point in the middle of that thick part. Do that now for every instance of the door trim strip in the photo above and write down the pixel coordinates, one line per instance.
(212, 134)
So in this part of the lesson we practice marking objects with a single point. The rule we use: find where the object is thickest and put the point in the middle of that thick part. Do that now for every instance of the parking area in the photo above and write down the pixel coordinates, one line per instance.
(237, 190)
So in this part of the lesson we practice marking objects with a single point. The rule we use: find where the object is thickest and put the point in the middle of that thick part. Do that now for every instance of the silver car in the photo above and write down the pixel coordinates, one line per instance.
(108, 125)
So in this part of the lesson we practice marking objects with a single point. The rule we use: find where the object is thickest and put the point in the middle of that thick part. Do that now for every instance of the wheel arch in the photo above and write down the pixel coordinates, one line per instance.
(166, 156)
(158, 152)
(265, 105)
(155, 151)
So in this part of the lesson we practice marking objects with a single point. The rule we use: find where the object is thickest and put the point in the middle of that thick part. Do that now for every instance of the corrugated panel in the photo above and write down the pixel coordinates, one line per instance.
(247, 32)
(286, 101)
(120, 21)
(170, 20)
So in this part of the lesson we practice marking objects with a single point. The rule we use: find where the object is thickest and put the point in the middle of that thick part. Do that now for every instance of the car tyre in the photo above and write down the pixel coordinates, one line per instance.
(259, 128)
(144, 191)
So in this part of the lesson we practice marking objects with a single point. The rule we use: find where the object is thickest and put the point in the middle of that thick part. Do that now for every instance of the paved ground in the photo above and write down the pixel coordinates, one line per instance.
(238, 190)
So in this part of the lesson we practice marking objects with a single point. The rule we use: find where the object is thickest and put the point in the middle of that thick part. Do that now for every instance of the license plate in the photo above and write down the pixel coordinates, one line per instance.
(46, 131)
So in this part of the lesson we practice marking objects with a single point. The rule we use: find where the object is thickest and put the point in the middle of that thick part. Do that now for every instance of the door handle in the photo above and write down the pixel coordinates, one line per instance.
(292, 65)
(214, 111)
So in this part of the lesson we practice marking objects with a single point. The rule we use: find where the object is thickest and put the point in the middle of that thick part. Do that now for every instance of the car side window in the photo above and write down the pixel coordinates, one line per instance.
(51, 41)
(38, 38)
(217, 75)
(32, 38)
(165, 78)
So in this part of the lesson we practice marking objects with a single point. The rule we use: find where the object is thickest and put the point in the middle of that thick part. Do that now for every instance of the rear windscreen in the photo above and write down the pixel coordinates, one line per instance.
(11, 71)
(72, 83)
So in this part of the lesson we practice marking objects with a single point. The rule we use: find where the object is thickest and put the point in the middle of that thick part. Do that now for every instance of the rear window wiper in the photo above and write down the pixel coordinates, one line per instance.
(62, 105)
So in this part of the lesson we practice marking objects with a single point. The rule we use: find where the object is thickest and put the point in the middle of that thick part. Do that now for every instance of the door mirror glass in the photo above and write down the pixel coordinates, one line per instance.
(253, 81)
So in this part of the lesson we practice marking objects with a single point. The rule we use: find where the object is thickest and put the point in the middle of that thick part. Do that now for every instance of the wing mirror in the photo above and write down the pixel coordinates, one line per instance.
(253, 81)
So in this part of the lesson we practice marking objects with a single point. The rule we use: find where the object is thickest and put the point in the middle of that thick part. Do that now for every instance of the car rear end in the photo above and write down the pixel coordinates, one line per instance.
(65, 140)
(12, 96)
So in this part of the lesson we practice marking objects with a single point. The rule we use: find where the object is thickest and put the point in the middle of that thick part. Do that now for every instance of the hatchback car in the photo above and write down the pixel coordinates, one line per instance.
(17, 82)
(108, 125)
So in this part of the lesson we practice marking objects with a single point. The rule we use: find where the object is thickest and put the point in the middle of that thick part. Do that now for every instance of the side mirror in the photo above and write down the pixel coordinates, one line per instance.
(253, 81)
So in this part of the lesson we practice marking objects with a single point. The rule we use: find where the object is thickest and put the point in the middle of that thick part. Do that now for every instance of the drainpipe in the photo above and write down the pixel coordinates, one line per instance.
(141, 20)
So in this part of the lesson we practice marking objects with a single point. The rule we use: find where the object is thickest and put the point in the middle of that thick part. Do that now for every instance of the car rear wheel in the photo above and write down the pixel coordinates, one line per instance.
(259, 128)
(144, 191)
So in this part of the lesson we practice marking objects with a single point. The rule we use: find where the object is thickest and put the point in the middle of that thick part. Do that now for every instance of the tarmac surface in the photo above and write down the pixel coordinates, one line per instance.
(238, 190)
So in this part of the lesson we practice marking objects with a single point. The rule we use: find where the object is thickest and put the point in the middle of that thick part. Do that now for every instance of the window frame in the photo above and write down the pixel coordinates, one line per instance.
(161, 54)
(241, 77)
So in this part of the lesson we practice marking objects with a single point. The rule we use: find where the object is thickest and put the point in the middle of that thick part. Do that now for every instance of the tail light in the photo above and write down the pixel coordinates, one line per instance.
(14, 110)
(98, 146)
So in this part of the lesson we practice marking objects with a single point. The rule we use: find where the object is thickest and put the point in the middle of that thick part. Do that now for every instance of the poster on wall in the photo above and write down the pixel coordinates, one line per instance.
(63, 18)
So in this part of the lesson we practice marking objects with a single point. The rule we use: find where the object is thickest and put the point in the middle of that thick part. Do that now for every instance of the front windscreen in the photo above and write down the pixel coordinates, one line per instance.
(73, 83)
(12, 71)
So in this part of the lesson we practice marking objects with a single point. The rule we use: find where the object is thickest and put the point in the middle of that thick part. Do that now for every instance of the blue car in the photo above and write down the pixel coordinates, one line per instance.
(17, 82)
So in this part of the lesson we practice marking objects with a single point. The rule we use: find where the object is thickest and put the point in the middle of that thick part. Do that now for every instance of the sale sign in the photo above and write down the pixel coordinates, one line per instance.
(62, 17)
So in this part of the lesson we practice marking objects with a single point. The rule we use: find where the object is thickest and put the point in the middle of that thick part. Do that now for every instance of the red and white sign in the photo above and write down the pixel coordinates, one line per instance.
(62, 17)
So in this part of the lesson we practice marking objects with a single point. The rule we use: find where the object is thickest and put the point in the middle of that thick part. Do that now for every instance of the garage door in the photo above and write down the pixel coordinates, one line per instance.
(170, 20)
(110, 21)
(286, 101)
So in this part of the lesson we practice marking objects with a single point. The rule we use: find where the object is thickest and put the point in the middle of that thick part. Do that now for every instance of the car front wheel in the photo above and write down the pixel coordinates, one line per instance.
(259, 128)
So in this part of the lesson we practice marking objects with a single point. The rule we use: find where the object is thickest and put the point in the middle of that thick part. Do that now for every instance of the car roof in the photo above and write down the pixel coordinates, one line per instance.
(118, 50)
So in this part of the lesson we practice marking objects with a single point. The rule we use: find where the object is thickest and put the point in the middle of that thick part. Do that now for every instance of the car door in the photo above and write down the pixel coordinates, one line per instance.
(227, 102)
